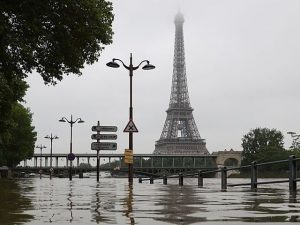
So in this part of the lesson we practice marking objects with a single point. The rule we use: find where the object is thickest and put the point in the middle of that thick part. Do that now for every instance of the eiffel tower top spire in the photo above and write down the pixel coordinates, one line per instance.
(179, 94)
(179, 17)
(180, 134)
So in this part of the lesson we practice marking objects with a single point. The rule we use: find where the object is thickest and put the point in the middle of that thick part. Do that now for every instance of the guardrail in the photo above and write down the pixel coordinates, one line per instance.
(292, 180)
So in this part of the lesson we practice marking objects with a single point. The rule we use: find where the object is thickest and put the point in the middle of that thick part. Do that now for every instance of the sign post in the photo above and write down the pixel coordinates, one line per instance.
(103, 145)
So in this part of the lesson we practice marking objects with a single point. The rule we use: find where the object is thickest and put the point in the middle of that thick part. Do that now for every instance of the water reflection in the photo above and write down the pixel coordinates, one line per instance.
(113, 201)
(269, 205)
(70, 203)
(13, 204)
(128, 204)
(180, 204)
(103, 203)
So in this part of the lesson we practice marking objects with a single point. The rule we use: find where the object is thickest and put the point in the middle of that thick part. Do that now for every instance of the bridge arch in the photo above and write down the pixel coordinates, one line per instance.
(229, 158)
(231, 162)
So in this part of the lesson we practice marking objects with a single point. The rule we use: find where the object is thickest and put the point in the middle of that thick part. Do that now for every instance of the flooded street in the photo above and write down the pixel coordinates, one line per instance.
(112, 201)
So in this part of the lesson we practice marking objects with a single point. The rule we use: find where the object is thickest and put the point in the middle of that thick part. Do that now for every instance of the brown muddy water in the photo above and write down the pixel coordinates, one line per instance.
(112, 201)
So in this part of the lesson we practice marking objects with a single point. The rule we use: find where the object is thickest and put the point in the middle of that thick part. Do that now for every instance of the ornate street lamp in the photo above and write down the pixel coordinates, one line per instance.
(71, 156)
(51, 139)
(41, 148)
(131, 68)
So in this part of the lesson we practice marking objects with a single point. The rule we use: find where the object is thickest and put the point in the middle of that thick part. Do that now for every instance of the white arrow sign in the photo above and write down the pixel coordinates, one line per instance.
(104, 146)
(104, 136)
(104, 128)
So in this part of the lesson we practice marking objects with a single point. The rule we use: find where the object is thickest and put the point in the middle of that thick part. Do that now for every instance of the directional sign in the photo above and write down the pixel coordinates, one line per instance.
(130, 127)
(104, 128)
(104, 146)
(104, 136)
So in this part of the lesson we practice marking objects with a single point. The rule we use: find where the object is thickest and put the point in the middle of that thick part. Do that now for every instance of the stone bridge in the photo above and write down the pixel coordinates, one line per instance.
(229, 158)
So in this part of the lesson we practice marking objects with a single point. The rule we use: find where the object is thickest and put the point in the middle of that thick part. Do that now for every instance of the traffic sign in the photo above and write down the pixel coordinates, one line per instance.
(104, 136)
(71, 156)
(104, 146)
(104, 128)
(130, 127)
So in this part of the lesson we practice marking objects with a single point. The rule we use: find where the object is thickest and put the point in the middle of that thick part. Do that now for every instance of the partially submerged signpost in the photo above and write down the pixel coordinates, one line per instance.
(103, 145)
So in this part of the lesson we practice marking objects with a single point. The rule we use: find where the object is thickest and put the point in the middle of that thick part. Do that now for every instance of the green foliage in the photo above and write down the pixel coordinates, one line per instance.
(53, 37)
(21, 137)
(12, 89)
(263, 145)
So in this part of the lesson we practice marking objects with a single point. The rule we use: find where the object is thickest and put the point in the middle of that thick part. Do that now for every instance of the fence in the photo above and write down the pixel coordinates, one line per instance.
(292, 179)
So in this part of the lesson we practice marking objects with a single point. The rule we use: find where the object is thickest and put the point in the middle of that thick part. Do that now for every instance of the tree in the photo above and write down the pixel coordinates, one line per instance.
(262, 145)
(11, 91)
(19, 144)
(53, 37)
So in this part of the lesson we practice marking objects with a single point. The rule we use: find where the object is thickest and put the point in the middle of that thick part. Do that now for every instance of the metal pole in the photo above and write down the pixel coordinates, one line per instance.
(224, 178)
(165, 180)
(292, 173)
(51, 170)
(200, 179)
(151, 180)
(70, 168)
(41, 157)
(253, 176)
(51, 139)
(180, 179)
(130, 166)
(98, 164)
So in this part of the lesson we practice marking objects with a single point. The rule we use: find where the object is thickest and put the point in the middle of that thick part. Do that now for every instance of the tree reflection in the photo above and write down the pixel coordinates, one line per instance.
(264, 202)
(14, 203)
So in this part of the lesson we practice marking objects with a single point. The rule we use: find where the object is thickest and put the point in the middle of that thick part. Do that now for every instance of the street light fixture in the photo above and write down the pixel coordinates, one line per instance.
(51, 139)
(71, 156)
(131, 68)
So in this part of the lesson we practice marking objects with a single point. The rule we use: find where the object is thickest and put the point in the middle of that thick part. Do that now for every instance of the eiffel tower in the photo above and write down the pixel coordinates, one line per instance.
(180, 134)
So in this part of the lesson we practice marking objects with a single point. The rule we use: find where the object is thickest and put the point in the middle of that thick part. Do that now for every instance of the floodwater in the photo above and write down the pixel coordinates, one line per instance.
(112, 201)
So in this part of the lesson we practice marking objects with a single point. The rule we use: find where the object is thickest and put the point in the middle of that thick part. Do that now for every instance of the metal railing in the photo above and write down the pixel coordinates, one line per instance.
(292, 179)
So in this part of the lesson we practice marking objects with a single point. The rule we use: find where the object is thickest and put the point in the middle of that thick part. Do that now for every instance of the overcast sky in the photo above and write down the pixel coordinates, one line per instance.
(242, 64)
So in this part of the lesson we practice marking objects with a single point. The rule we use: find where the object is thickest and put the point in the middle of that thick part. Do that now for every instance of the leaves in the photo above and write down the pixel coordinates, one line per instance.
(19, 145)
(53, 37)
(262, 145)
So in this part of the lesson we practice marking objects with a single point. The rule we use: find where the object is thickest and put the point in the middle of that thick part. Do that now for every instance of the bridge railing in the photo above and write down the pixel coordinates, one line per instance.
(292, 175)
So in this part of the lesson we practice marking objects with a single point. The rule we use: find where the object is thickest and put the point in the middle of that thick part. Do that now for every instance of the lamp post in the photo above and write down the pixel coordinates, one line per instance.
(51, 139)
(131, 68)
(71, 156)
(41, 148)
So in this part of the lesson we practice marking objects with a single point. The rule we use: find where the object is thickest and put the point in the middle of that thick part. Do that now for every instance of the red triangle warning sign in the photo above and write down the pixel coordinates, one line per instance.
(130, 127)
